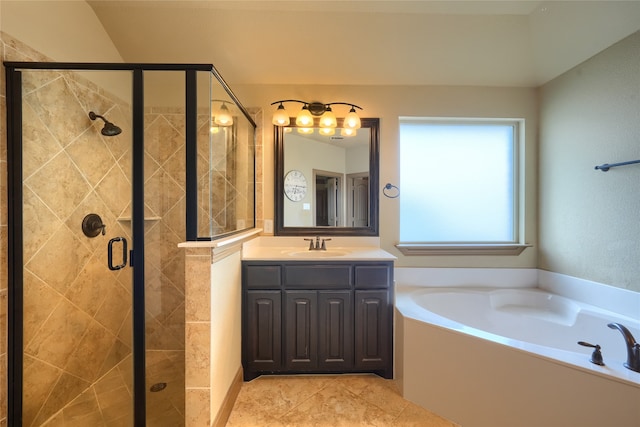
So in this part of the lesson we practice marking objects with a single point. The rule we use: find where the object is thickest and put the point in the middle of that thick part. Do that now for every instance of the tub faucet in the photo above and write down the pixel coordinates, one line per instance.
(633, 348)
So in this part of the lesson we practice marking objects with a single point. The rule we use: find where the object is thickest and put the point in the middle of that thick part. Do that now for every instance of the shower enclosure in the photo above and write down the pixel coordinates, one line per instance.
(110, 167)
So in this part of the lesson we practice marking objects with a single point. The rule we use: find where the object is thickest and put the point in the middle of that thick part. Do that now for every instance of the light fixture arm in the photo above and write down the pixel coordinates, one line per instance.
(288, 100)
(344, 103)
(316, 108)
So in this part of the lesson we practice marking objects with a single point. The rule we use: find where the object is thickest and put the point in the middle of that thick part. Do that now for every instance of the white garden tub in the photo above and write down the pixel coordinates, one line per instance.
(498, 356)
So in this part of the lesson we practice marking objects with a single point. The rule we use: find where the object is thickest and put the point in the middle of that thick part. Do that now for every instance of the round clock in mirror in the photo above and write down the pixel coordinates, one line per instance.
(295, 185)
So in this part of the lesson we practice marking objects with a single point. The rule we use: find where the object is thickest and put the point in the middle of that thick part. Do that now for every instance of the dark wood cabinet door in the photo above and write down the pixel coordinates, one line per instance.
(263, 342)
(372, 330)
(335, 330)
(301, 330)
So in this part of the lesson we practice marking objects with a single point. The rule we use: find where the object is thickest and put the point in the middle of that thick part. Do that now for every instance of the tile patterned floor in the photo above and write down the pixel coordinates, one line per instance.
(318, 401)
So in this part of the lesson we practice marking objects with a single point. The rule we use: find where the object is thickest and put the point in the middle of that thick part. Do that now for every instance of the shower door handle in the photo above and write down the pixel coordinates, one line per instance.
(110, 253)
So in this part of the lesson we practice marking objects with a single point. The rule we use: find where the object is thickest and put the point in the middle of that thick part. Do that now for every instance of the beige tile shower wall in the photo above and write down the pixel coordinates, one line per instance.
(3, 235)
(164, 228)
(10, 49)
(198, 337)
(213, 325)
(76, 310)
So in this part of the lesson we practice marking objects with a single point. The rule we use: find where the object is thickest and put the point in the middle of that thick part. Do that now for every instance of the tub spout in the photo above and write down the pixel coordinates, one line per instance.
(633, 348)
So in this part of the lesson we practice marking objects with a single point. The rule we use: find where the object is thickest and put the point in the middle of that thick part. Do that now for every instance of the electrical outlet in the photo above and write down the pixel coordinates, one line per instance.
(268, 226)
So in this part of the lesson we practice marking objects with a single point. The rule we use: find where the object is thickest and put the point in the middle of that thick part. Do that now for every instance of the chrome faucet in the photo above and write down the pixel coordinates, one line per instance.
(318, 246)
(633, 348)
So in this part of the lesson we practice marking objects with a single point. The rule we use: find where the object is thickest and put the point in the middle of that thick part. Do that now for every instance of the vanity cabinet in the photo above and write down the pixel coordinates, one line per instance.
(317, 317)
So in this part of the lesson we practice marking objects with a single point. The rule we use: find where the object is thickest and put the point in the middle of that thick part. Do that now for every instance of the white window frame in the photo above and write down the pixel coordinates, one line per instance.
(483, 248)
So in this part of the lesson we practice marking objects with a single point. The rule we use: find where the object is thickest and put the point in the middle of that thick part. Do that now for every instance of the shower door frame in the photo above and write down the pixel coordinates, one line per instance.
(15, 206)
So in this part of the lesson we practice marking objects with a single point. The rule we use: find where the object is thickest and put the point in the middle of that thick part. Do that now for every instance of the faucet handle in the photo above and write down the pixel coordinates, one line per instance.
(596, 356)
(310, 243)
(324, 245)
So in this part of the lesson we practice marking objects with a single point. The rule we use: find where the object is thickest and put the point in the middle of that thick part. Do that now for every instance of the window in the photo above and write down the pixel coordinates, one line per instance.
(459, 181)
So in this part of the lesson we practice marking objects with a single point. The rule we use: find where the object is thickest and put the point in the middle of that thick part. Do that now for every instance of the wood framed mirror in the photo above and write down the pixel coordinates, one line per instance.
(327, 184)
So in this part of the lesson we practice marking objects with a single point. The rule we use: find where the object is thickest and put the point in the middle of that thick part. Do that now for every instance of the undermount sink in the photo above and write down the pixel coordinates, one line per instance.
(329, 253)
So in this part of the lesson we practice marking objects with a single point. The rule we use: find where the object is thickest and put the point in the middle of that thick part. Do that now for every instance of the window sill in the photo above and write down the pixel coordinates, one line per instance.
(413, 249)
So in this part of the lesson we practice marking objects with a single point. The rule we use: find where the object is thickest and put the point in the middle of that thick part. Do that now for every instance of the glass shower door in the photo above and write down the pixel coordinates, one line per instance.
(99, 161)
(77, 281)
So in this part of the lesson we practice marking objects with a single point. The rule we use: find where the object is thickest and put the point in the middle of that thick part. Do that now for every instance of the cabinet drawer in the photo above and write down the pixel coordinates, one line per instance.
(263, 276)
(373, 276)
(316, 276)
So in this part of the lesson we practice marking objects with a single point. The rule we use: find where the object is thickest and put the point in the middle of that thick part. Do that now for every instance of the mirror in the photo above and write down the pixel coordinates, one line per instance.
(327, 185)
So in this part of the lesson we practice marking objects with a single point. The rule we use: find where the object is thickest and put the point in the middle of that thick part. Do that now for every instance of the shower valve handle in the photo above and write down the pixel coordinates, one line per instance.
(92, 225)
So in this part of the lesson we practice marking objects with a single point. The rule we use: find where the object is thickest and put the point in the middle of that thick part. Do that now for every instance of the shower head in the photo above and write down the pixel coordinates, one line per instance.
(109, 128)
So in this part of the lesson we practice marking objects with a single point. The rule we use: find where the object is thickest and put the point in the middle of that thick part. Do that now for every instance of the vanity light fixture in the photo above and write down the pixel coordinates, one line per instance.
(221, 115)
(328, 119)
(310, 110)
(304, 118)
(280, 117)
(352, 121)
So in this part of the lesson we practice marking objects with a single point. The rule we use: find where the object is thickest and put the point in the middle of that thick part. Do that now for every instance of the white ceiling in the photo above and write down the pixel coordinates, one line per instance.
(362, 42)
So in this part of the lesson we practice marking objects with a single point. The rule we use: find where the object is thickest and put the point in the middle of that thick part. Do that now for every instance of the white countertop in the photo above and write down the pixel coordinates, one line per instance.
(297, 249)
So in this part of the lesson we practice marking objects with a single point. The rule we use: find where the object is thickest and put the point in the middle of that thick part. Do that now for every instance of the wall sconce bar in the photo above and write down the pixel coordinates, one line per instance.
(305, 117)
(605, 167)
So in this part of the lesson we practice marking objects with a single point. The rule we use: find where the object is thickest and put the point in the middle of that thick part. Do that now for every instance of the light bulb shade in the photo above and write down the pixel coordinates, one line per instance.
(348, 132)
(280, 117)
(305, 131)
(328, 119)
(327, 131)
(223, 116)
(304, 118)
(352, 121)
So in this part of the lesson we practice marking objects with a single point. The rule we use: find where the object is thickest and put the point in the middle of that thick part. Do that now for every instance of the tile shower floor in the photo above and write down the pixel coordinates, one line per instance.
(332, 400)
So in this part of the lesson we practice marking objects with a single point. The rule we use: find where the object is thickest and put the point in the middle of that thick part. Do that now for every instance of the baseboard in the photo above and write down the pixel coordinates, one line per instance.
(229, 401)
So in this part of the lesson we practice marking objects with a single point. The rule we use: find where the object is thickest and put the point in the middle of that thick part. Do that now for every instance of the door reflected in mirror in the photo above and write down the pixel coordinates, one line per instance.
(340, 179)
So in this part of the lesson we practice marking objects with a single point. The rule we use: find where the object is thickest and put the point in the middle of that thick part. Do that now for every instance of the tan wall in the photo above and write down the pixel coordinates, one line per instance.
(226, 316)
(390, 102)
(589, 225)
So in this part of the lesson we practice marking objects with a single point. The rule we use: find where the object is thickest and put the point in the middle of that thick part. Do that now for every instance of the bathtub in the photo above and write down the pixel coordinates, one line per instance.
(503, 355)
